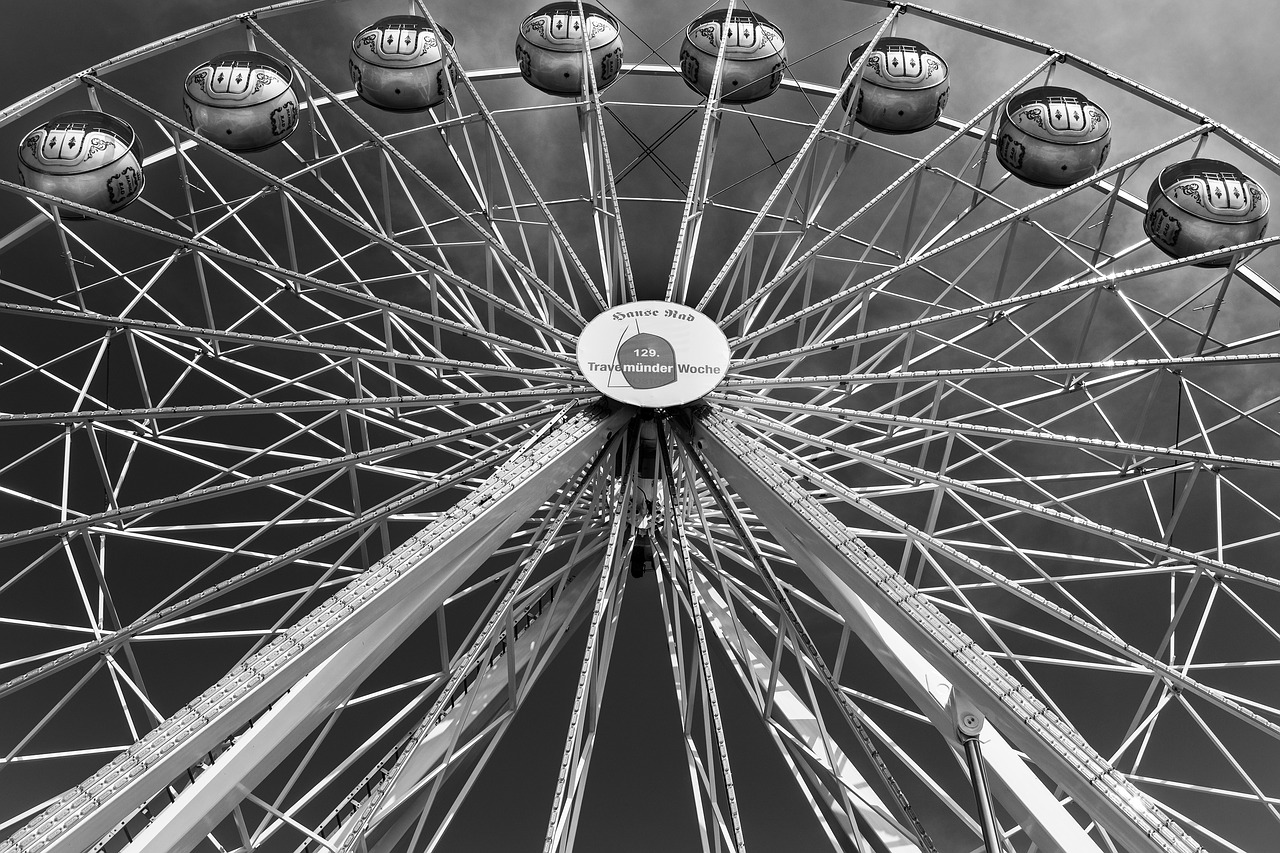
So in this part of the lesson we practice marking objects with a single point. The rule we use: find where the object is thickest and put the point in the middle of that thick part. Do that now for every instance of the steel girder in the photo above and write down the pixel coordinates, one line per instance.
(318, 661)
(789, 710)
(490, 698)
(927, 654)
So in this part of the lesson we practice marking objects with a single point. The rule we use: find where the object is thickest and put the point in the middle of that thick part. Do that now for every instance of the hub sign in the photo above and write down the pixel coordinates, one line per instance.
(653, 354)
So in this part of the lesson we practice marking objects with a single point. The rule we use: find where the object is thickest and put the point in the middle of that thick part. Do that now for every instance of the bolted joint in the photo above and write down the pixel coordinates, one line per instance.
(968, 719)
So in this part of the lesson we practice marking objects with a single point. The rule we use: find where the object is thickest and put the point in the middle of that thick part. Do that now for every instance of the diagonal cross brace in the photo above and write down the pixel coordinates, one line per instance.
(890, 615)
(425, 570)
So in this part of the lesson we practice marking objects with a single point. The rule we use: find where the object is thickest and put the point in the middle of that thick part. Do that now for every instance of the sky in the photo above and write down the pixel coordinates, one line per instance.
(1210, 55)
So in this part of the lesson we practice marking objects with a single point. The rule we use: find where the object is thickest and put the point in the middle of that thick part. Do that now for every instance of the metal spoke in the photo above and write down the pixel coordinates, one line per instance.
(699, 186)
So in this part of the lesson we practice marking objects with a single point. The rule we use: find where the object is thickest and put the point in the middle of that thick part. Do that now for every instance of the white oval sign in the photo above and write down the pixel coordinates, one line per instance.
(653, 354)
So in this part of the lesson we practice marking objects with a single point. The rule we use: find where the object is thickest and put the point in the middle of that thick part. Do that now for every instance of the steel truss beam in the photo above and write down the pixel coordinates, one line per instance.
(489, 700)
(584, 719)
(433, 742)
(928, 654)
(791, 713)
(674, 557)
(796, 727)
(791, 632)
(320, 660)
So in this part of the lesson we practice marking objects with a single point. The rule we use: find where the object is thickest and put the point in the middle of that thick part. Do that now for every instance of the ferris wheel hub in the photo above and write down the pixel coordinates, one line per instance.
(653, 354)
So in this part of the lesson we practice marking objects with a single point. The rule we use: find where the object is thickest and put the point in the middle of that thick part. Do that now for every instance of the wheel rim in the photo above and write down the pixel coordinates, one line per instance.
(1058, 435)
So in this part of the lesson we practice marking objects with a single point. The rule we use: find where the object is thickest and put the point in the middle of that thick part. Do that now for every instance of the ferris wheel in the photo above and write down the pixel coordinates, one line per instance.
(759, 439)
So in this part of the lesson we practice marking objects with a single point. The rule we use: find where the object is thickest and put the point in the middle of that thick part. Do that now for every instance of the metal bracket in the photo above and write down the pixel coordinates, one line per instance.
(969, 722)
